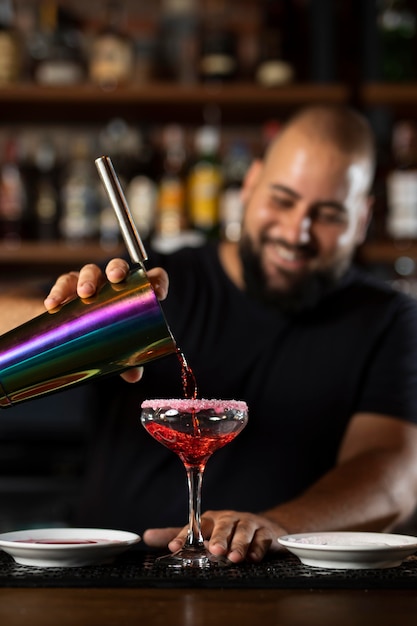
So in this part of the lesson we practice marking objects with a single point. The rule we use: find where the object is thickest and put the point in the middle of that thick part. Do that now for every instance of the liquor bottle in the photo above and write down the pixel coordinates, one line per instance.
(79, 220)
(12, 195)
(142, 196)
(171, 218)
(112, 58)
(46, 202)
(142, 191)
(397, 25)
(57, 47)
(205, 181)
(218, 46)
(273, 68)
(235, 165)
(401, 184)
(121, 140)
(134, 160)
(10, 45)
(178, 40)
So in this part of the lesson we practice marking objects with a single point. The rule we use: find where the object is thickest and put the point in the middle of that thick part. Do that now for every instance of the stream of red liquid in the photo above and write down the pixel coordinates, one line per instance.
(189, 383)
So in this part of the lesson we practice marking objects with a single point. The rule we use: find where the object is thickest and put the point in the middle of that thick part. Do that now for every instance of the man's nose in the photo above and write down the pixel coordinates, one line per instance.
(296, 229)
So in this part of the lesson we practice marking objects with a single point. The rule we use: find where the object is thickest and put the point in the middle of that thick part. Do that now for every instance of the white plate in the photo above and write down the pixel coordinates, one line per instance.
(66, 547)
(350, 550)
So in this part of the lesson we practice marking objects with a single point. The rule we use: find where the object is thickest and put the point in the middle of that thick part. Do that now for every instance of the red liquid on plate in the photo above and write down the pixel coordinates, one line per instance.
(193, 448)
(63, 542)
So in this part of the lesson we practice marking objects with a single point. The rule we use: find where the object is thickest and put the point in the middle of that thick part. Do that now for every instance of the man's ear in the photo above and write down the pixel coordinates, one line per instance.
(250, 180)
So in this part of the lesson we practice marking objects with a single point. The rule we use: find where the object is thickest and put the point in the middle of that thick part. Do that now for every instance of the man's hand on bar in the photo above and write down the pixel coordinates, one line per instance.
(233, 534)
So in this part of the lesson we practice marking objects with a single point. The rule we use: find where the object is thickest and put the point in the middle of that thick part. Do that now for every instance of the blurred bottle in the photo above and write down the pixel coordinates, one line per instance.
(171, 218)
(47, 194)
(13, 197)
(145, 44)
(146, 161)
(273, 68)
(134, 160)
(402, 183)
(142, 192)
(205, 181)
(112, 57)
(235, 165)
(142, 195)
(120, 140)
(178, 40)
(10, 45)
(56, 47)
(218, 46)
(397, 25)
(25, 22)
(79, 221)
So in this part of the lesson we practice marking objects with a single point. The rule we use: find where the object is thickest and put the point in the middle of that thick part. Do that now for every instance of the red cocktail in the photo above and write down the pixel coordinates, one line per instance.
(194, 429)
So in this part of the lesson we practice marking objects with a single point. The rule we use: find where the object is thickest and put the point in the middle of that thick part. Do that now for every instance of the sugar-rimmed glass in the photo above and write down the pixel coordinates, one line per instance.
(194, 429)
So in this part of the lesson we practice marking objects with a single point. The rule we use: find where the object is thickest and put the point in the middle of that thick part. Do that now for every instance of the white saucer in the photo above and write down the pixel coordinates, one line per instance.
(66, 547)
(350, 550)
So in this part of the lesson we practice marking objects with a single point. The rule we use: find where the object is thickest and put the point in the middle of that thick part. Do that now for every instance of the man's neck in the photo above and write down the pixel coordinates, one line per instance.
(231, 263)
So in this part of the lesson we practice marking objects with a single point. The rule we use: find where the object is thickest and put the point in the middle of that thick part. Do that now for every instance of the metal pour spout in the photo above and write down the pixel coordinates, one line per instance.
(114, 190)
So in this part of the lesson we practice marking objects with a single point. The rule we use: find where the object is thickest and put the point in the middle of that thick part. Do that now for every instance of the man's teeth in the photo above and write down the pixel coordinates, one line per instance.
(286, 254)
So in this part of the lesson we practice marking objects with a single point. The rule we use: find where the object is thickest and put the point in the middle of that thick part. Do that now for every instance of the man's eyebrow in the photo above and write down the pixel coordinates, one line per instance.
(288, 190)
(332, 204)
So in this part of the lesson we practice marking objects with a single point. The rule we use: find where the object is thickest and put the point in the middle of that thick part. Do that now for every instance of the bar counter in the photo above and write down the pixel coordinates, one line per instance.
(280, 591)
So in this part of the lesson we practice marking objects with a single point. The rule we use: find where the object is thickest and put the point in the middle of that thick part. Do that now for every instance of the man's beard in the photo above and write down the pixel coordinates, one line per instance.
(300, 297)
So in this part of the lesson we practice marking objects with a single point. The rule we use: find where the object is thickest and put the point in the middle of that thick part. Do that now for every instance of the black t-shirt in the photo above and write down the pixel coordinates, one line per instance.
(303, 377)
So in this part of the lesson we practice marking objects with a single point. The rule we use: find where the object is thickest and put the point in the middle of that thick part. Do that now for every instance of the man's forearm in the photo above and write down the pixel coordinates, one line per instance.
(361, 494)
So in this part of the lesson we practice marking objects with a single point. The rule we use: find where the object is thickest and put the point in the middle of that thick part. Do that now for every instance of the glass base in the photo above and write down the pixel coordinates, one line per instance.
(192, 558)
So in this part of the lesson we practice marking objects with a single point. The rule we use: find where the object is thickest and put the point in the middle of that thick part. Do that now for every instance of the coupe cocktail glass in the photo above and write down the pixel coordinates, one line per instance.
(194, 429)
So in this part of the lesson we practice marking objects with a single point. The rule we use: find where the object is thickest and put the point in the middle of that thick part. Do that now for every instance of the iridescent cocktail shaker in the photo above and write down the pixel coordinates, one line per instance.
(122, 326)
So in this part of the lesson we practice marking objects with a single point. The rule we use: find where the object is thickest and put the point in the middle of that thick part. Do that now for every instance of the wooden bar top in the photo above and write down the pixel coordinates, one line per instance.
(207, 607)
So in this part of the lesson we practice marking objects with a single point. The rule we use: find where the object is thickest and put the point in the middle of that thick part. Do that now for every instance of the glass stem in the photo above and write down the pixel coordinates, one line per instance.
(194, 479)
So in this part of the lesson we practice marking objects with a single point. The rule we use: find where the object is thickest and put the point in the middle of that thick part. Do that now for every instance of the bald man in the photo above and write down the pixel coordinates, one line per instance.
(324, 355)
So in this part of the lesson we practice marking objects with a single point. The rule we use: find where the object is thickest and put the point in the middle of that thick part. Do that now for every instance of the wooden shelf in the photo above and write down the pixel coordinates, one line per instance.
(399, 95)
(60, 254)
(233, 93)
(159, 101)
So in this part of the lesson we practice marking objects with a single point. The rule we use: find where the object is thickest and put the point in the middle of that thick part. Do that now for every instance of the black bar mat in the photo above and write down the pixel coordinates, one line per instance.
(137, 569)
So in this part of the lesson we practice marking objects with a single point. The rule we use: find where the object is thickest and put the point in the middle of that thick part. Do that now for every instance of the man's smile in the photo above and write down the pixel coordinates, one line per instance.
(285, 257)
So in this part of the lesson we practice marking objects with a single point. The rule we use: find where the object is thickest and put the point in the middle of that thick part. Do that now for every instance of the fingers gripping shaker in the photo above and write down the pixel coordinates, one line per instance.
(122, 326)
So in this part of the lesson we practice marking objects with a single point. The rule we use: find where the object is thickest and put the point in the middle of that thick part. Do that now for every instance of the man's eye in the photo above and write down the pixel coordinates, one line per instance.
(330, 217)
(282, 203)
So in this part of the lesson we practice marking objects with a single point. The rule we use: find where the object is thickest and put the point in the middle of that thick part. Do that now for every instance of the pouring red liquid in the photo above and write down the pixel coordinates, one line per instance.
(189, 383)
